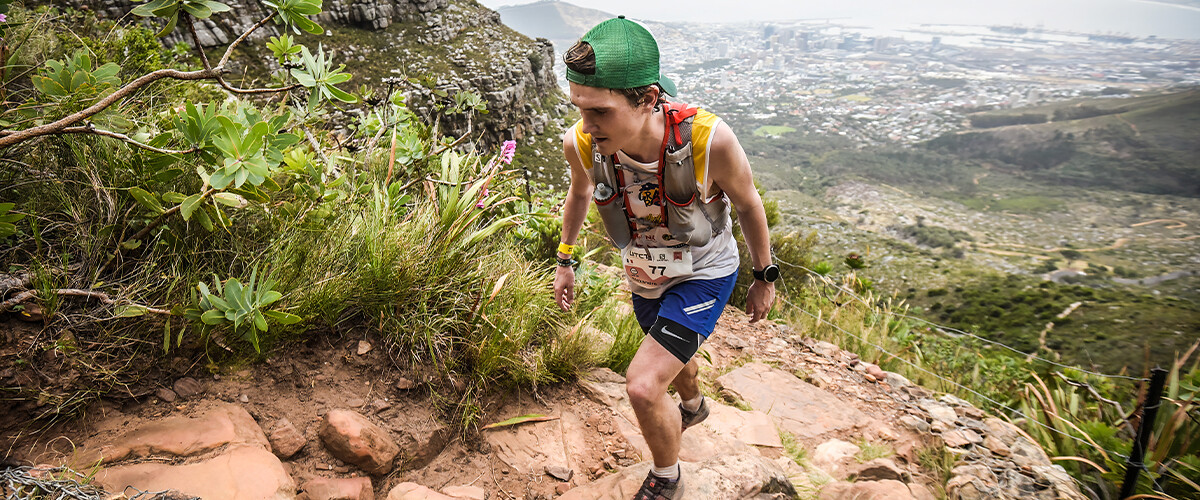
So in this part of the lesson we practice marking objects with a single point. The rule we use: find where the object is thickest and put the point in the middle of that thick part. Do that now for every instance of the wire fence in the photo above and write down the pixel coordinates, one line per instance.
(1030, 356)
(62, 483)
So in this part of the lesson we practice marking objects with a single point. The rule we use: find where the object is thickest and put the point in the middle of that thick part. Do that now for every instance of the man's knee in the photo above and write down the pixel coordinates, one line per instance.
(642, 390)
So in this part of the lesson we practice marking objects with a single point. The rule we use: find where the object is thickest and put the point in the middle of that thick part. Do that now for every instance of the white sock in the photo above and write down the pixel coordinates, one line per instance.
(693, 404)
(670, 472)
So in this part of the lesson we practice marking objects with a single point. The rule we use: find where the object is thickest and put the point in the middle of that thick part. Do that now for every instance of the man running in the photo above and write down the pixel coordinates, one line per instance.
(663, 176)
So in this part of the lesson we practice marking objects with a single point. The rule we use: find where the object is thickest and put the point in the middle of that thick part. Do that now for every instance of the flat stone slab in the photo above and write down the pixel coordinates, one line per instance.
(530, 448)
(242, 473)
(179, 437)
(796, 406)
(723, 478)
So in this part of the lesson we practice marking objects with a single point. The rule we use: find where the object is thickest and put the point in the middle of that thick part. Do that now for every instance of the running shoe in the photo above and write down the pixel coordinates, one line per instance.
(657, 488)
(691, 418)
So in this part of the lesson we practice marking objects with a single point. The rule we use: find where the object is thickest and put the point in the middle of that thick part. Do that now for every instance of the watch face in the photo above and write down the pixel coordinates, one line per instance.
(771, 273)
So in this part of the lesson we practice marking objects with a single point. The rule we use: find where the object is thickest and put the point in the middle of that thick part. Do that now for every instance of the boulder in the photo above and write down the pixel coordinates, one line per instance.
(879, 469)
(353, 439)
(832, 455)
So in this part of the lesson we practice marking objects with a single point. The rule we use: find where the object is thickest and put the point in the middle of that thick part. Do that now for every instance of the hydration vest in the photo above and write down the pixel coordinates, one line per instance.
(689, 219)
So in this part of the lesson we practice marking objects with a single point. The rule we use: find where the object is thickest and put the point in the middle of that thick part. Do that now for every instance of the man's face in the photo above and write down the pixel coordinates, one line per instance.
(607, 117)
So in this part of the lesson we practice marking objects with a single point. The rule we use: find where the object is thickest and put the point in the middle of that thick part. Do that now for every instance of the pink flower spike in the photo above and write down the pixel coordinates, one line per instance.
(3, 18)
(481, 197)
(506, 154)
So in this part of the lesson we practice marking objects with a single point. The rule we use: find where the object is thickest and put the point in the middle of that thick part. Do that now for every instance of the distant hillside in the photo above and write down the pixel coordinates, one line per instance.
(560, 22)
(1144, 144)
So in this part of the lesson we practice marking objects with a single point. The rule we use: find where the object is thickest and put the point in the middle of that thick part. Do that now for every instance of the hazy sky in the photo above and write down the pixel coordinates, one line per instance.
(1134, 17)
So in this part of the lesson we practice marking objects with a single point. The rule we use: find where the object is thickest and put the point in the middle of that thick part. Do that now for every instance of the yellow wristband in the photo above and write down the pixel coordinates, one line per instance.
(567, 249)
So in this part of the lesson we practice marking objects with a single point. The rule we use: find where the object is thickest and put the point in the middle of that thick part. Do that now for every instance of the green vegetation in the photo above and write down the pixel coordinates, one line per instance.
(933, 236)
(773, 130)
(175, 230)
(1112, 330)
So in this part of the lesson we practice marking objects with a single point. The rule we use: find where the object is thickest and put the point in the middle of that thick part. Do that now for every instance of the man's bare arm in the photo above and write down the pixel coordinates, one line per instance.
(730, 171)
(575, 208)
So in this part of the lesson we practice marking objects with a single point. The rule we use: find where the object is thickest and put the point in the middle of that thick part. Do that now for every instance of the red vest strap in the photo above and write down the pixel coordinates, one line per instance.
(676, 113)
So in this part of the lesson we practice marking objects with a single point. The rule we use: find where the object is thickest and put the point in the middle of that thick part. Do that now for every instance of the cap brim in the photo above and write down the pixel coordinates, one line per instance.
(667, 85)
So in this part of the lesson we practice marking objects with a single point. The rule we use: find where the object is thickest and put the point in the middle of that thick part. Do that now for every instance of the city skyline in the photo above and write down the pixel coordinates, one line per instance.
(1140, 18)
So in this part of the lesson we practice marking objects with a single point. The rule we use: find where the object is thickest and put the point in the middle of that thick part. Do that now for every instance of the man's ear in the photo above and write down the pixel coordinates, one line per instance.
(651, 97)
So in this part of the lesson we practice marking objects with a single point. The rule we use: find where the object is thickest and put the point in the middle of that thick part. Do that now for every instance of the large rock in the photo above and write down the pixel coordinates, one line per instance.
(880, 469)
(242, 473)
(797, 406)
(224, 425)
(722, 478)
(834, 456)
(352, 438)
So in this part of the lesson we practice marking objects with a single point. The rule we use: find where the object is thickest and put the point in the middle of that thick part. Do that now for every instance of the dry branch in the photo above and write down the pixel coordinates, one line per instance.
(73, 292)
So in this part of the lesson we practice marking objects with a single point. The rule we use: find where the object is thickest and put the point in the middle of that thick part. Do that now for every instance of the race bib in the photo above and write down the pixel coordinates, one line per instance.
(652, 267)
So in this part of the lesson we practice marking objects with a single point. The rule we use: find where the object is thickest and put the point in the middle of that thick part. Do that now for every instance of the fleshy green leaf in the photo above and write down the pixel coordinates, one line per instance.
(146, 200)
(189, 206)
(283, 318)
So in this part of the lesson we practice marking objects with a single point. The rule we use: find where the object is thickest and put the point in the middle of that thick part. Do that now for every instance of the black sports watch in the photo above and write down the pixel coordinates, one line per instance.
(769, 274)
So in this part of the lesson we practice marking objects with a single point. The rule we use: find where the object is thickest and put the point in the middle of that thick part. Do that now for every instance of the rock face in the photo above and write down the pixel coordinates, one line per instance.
(353, 439)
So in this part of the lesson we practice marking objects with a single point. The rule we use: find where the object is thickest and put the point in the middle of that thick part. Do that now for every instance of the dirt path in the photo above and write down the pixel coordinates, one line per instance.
(1174, 223)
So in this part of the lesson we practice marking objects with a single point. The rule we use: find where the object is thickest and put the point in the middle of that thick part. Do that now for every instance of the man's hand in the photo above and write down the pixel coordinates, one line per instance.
(759, 300)
(564, 287)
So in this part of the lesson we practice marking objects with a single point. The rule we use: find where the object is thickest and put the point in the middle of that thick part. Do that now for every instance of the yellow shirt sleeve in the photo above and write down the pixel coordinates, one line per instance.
(704, 125)
(583, 146)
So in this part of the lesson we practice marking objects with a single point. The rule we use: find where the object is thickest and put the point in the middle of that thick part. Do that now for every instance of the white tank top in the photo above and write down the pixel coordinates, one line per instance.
(717, 259)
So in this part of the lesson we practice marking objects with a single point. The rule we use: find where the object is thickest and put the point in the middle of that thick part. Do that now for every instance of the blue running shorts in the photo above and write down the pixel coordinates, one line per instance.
(684, 316)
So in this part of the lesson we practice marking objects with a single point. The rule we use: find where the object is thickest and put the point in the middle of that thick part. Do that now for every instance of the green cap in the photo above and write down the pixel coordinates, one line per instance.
(626, 57)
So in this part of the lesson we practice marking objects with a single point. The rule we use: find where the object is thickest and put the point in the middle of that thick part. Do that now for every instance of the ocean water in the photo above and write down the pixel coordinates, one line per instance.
(1140, 18)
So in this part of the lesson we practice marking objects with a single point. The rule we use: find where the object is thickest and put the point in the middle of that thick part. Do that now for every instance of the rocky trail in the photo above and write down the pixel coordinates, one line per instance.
(796, 418)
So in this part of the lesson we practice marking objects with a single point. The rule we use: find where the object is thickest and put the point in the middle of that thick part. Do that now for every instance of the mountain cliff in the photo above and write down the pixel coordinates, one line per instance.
(434, 45)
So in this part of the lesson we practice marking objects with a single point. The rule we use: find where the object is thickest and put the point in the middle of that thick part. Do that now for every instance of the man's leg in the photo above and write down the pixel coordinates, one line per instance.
(685, 382)
(650, 371)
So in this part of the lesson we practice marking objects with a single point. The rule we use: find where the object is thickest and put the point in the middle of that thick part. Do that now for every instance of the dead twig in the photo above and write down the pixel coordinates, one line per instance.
(90, 128)
(73, 292)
